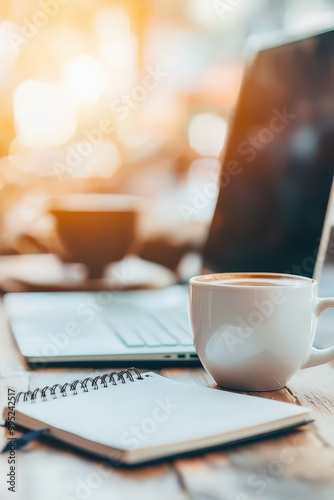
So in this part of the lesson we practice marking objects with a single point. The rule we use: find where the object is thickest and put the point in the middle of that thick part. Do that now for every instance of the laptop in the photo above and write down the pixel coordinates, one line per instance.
(272, 215)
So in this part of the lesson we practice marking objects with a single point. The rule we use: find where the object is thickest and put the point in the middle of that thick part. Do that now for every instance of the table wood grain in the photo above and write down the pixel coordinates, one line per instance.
(296, 465)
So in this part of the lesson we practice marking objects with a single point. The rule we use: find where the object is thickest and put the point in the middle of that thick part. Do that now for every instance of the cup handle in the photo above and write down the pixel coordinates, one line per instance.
(320, 356)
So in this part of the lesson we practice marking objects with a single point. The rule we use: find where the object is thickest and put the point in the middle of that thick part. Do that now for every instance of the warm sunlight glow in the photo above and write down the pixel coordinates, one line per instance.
(102, 161)
(203, 12)
(44, 114)
(207, 134)
(111, 23)
(7, 52)
(85, 78)
(117, 47)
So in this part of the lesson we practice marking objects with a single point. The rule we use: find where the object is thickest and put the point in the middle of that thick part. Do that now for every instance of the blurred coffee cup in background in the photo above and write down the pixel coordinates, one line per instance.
(96, 229)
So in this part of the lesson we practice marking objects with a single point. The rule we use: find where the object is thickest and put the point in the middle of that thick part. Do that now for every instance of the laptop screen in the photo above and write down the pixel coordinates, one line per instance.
(278, 165)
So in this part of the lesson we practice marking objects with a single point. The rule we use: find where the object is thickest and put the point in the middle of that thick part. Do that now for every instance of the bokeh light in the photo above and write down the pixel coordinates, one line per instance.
(102, 162)
(44, 114)
(85, 79)
(7, 54)
(207, 134)
(117, 47)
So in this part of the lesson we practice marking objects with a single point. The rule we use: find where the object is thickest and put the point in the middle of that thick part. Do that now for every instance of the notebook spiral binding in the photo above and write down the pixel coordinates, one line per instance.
(86, 384)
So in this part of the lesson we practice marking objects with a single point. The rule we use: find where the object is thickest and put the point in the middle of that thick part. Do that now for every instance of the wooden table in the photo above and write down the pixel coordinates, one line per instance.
(298, 465)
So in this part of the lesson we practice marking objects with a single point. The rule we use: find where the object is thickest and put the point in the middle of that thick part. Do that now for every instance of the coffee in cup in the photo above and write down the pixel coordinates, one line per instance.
(253, 331)
(96, 229)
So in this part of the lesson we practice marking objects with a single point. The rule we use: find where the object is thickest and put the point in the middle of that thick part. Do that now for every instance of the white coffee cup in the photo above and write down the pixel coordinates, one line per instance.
(253, 331)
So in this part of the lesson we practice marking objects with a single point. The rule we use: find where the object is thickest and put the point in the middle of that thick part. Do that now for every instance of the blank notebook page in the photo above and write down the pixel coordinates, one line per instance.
(156, 411)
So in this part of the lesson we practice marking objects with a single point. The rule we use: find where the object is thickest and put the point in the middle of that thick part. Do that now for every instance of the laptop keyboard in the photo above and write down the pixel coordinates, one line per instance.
(141, 329)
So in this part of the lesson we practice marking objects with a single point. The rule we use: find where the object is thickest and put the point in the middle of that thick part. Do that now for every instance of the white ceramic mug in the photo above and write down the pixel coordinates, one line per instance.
(253, 331)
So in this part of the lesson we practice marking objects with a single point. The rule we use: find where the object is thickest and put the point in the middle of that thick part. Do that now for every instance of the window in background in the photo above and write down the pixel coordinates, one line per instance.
(112, 96)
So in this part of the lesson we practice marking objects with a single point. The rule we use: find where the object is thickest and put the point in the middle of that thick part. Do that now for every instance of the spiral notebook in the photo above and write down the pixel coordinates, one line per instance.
(131, 418)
